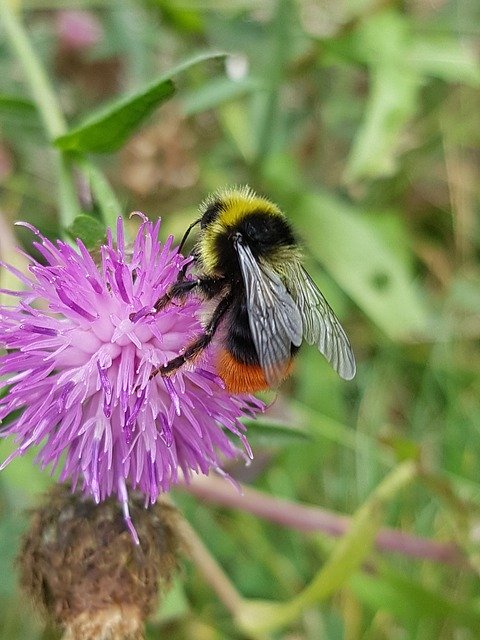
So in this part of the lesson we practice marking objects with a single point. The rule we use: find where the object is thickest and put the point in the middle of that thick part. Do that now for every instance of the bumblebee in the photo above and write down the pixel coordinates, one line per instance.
(248, 262)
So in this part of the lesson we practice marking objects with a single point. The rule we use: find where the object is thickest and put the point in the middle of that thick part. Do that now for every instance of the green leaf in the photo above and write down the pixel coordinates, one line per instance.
(181, 18)
(107, 129)
(88, 229)
(383, 39)
(363, 265)
(399, 62)
(383, 43)
(19, 116)
(217, 92)
(271, 433)
(16, 104)
(391, 103)
(447, 59)
(407, 599)
(238, 128)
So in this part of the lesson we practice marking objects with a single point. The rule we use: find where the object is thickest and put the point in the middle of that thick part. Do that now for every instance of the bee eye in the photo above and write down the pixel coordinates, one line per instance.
(211, 213)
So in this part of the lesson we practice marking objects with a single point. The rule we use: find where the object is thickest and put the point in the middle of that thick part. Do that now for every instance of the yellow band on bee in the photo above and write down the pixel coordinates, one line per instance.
(236, 205)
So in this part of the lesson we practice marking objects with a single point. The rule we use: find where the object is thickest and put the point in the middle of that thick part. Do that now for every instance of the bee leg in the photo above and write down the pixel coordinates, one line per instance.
(209, 287)
(177, 290)
(196, 347)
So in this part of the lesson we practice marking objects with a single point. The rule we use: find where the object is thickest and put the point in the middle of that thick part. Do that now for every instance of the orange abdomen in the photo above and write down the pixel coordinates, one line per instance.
(240, 377)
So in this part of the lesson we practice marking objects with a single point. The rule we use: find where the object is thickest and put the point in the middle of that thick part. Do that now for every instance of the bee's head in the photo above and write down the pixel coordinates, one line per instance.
(229, 206)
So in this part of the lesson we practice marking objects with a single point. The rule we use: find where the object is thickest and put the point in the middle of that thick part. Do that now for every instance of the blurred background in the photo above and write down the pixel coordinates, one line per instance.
(361, 119)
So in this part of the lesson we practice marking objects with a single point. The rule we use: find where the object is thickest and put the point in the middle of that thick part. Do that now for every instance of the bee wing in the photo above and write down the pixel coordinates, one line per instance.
(275, 321)
(320, 325)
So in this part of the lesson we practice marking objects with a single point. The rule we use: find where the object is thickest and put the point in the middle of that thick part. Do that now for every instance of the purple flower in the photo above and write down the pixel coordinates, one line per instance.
(80, 347)
(78, 30)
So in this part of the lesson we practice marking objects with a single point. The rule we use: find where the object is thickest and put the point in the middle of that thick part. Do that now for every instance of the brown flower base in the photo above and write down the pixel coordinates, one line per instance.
(80, 567)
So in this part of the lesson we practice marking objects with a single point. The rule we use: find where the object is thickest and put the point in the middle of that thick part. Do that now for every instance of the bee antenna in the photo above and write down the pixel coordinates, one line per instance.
(186, 234)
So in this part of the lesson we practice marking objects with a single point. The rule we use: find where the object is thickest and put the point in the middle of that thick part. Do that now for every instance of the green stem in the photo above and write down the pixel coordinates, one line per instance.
(348, 553)
(346, 558)
(103, 193)
(273, 79)
(42, 92)
(460, 511)
(47, 106)
(69, 207)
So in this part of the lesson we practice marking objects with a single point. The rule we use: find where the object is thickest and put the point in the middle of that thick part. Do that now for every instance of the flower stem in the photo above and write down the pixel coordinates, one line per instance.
(39, 85)
(103, 193)
(47, 106)
(69, 207)
(210, 568)
(275, 70)
(347, 556)
(308, 518)
(358, 541)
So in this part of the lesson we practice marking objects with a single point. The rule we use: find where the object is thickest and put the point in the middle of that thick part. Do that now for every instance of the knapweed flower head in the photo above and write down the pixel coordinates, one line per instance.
(80, 346)
(82, 573)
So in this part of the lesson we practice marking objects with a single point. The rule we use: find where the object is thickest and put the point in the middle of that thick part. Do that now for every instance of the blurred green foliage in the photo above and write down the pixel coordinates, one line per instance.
(362, 120)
